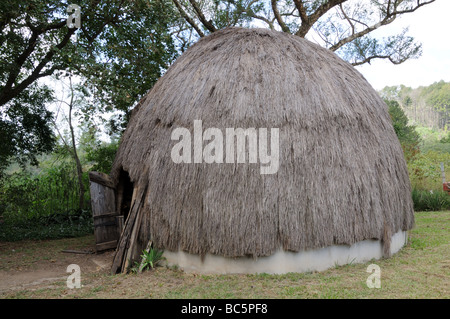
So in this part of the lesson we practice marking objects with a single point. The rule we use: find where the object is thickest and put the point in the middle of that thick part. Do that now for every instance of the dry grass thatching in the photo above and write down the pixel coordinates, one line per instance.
(342, 175)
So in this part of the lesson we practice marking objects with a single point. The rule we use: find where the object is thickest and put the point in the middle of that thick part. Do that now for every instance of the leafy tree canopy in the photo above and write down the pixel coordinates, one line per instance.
(120, 50)
(438, 95)
(24, 129)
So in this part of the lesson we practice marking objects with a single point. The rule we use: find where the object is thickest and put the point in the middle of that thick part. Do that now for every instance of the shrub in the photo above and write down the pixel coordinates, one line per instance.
(60, 225)
(150, 259)
(43, 206)
(430, 200)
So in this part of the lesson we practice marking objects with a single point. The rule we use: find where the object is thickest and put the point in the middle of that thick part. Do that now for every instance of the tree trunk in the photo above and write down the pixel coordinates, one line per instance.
(75, 154)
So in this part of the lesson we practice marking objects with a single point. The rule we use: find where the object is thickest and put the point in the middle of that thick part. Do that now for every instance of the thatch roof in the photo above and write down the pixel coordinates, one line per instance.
(342, 175)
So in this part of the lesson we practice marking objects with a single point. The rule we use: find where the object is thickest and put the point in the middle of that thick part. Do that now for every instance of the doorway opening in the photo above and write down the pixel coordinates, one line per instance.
(124, 194)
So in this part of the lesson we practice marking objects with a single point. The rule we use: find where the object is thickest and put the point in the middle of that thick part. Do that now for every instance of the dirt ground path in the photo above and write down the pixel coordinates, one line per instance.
(36, 265)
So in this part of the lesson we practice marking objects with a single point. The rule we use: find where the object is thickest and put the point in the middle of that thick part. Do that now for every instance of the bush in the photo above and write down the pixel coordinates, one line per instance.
(43, 206)
(59, 225)
(54, 190)
(430, 200)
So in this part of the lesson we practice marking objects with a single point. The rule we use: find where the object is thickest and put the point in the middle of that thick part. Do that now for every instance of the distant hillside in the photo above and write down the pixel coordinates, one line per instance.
(425, 106)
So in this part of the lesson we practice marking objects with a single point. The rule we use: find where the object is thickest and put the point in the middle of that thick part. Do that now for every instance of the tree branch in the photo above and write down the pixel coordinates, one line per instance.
(354, 36)
(188, 18)
(44, 27)
(208, 25)
(258, 17)
(389, 18)
(9, 93)
(19, 61)
(419, 4)
(32, 42)
(301, 11)
(349, 20)
(308, 21)
(367, 60)
(278, 17)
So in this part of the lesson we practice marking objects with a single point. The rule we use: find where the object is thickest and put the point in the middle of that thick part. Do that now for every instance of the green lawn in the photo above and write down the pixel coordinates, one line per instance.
(420, 270)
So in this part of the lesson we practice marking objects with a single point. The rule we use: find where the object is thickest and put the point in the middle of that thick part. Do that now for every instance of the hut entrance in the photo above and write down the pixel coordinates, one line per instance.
(124, 194)
(110, 207)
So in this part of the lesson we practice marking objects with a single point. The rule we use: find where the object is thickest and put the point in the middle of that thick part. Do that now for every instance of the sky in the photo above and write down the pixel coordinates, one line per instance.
(429, 25)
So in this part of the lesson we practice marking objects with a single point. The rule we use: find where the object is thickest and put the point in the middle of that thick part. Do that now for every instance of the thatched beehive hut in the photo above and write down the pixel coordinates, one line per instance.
(341, 192)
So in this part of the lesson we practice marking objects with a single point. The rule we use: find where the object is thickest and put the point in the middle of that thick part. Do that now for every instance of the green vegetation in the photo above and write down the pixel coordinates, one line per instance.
(425, 172)
(430, 200)
(424, 106)
(43, 205)
(150, 259)
(419, 117)
(66, 224)
(407, 135)
(118, 53)
(43, 202)
(423, 162)
(438, 95)
(26, 196)
(426, 180)
(24, 128)
(433, 139)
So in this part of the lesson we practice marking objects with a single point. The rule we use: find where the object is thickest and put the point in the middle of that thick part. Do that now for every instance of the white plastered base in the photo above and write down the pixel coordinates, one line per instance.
(283, 262)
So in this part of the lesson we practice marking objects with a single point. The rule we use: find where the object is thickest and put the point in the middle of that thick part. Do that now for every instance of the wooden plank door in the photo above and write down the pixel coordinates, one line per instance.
(107, 222)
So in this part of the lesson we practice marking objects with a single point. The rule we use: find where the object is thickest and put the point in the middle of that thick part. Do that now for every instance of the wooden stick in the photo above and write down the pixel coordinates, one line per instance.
(124, 241)
(69, 251)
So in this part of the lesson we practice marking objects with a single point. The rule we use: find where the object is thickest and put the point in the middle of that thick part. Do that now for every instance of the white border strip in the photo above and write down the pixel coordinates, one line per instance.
(284, 262)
